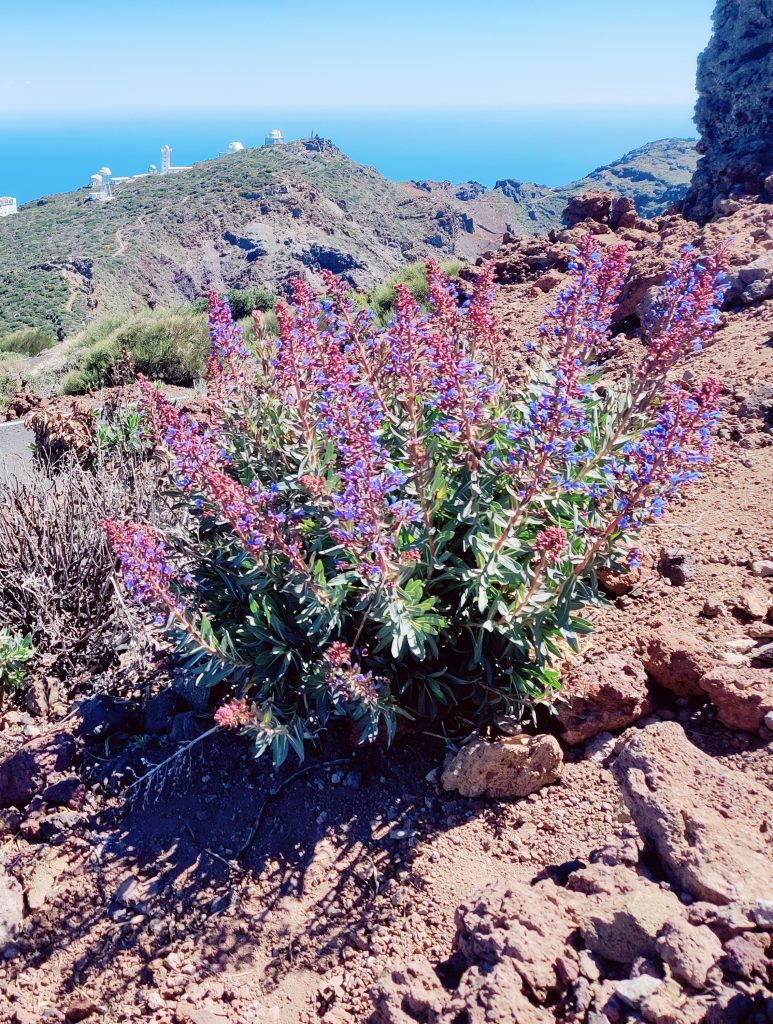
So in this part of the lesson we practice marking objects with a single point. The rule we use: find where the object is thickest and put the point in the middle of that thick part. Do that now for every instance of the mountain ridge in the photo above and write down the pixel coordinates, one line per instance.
(261, 216)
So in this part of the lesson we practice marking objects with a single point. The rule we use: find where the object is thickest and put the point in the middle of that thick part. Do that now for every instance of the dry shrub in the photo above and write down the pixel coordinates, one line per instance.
(60, 434)
(56, 569)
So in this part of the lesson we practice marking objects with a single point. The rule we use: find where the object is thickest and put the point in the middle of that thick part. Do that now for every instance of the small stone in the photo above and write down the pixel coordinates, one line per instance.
(742, 696)
(512, 767)
(79, 1009)
(713, 607)
(11, 908)
(635, 990)
(677, 565)
(742, 644)
(762, 567)
(763, 913)
(753, 603)
(155, 1002)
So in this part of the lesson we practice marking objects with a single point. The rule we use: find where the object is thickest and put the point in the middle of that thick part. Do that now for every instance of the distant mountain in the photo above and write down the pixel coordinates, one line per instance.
(262, 216)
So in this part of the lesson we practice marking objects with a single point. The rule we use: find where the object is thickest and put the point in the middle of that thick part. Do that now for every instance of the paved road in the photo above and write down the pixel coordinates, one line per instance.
(15, 456)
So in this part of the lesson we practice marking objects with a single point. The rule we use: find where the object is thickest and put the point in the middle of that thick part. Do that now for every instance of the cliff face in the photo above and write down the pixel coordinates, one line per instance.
(734, 112)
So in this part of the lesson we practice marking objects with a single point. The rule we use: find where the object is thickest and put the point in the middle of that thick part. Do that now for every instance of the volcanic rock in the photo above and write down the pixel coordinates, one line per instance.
(410, 992)
(733, 112)
(743, 696)
(677, 660)
(690, 951)
(528, 925)
(511, 767)
(603, 695)
(28, 770)
(623, 913)
(677, 565)
(708, 825)
(11, 908)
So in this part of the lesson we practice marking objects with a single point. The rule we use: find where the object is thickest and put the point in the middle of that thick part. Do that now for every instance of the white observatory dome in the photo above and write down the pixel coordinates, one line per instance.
(275, 133)
(105, 172)
(235, 147)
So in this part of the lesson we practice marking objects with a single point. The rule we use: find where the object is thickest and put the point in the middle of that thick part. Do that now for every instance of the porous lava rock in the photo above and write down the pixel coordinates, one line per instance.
(691, 951)
(623, 913)
(676, 660)
(710, 826)
(511, 767)
(529, 925)
(742, 695)
(603, 695)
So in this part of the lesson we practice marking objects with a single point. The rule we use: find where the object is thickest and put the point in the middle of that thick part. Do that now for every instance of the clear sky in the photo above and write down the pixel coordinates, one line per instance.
(190, 55)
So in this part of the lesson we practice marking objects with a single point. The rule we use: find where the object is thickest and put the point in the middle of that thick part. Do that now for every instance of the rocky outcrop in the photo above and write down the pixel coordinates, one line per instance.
(734, 112)
(708, 825)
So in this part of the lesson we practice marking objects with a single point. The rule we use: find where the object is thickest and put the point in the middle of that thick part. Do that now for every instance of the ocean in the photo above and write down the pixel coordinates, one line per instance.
(41, 156)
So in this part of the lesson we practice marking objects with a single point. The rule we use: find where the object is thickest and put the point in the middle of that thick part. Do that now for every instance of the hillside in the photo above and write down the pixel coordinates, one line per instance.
(261, 216)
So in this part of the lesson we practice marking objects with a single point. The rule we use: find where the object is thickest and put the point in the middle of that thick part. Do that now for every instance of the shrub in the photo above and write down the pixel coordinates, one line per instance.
(169, 345)
(380, 530)
(242, 301)
(15, 651)
(56, 569)
(414, 277)
(28, 342)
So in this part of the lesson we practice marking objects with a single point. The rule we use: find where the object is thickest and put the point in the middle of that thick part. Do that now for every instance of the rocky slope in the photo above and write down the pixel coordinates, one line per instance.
(262, 216)
(615, 872)
(734, 112)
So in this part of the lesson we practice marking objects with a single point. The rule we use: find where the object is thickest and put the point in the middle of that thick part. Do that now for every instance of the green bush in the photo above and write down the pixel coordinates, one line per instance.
(167, 345)
(30, 341)
(382, 298)
(15, 651)
(242, 301)
(378, 527)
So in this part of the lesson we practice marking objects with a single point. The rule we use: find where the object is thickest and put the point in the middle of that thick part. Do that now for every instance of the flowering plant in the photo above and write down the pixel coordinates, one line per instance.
(374, 527)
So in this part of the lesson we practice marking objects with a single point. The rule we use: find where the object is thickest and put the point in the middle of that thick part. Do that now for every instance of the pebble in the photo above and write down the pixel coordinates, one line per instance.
(714, 606)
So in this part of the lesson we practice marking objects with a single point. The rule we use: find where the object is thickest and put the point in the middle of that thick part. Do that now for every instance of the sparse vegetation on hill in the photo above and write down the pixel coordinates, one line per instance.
(383, 297)
(258, 218)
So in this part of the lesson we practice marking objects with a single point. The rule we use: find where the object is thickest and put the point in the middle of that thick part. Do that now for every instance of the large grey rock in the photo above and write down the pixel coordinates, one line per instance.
(711, 827)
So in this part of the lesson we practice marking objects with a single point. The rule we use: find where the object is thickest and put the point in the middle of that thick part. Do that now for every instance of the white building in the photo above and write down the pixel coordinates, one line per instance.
(101, 186)
(274, 138)
(233, 147)
(166, 162)
(7, 206)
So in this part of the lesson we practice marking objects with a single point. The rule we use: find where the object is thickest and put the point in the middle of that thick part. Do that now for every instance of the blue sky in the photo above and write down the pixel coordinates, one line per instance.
(192, 55)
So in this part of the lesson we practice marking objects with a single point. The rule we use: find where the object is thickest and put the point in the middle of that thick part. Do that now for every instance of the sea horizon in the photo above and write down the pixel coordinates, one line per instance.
(44, 155)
